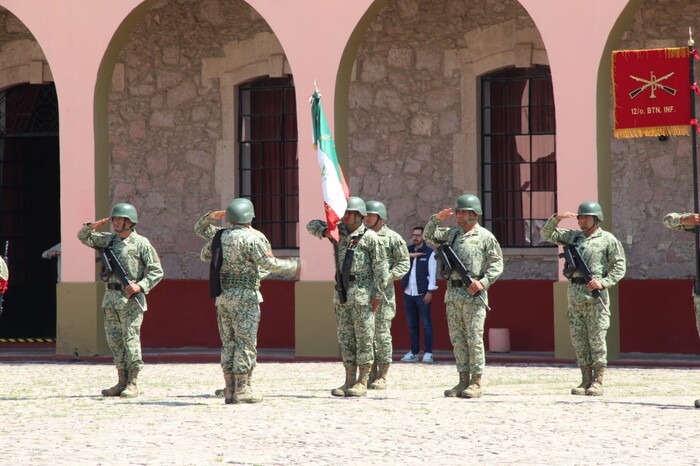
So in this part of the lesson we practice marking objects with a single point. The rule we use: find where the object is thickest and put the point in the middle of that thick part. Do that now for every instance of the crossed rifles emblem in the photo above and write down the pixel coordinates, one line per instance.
(654, 83)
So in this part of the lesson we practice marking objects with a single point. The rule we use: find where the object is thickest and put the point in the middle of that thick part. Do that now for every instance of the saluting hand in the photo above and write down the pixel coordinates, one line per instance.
(98, 223)
(692, 219)
(444, 213)
(565, 215)
(217, 215)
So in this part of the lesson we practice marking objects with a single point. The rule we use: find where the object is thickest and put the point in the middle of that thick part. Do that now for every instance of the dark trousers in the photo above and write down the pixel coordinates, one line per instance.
(414, 307)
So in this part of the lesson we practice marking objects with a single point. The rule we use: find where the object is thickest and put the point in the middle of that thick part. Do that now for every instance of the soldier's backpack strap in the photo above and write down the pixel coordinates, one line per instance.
(217, 261)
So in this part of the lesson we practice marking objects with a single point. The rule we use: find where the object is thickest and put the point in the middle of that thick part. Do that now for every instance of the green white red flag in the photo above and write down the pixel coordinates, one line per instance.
(335, 189)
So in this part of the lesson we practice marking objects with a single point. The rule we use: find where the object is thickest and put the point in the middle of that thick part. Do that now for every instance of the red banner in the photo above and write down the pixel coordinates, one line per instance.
(651, 92)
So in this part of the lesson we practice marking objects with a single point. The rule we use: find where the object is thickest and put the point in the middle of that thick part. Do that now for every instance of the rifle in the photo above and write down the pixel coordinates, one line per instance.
(3, 286)
(340, 284)
(452, 262)
(574, 262)
(111, 265)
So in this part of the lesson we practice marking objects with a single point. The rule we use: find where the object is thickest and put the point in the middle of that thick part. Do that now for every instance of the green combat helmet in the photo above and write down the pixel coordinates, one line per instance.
(127, 211)
(240, 211)
(356, 204)
(591, 208)
(376, 207)
(469, 202)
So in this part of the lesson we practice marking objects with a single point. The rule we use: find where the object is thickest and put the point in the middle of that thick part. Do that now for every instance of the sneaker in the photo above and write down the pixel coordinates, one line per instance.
(410, 357)
(428, 358)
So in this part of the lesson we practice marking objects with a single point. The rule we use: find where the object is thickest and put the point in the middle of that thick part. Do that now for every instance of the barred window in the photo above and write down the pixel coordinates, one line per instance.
(268, 169)
(518, 141)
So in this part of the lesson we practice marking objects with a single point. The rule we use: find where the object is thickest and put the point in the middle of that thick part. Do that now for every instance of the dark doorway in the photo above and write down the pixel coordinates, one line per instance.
(30, 215)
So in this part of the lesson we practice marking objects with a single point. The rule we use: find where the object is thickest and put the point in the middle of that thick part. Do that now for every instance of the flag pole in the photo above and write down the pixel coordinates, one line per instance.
(694, 138)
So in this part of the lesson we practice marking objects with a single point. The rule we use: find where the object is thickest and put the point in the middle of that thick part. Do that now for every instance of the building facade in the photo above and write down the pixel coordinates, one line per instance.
(178, 106)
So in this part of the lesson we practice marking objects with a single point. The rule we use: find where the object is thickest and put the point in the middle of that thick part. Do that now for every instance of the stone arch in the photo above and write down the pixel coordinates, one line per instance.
(243, 60)
(22, 61)
(489, 49)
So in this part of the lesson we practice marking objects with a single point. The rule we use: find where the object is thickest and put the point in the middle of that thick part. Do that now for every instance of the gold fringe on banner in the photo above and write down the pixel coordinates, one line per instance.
(651, 132)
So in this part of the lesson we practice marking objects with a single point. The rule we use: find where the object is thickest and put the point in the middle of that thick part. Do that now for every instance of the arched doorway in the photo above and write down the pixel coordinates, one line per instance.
(30, 215)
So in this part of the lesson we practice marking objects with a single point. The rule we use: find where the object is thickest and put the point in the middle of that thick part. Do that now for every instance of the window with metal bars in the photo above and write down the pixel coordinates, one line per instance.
(268, 169)
(518, 154)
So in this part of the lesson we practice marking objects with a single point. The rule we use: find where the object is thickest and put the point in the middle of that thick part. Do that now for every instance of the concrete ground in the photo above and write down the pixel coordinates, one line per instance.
(52, 413)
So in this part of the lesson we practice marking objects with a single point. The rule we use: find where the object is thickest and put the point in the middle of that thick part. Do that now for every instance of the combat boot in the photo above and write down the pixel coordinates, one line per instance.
(459, 388)
(596, 388)
(360, 388)
(119, 387)
(244, 392)
(379, 382)
(230, 381)
(221, 391)
(132, 389)
(372, 374)
(350, 380)
(586, 379)
(474, 388)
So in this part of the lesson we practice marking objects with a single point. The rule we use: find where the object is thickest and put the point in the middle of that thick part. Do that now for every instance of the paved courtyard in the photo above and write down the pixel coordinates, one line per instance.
(52, 413)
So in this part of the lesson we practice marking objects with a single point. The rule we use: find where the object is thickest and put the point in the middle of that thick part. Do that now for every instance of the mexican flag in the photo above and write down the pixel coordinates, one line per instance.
(335, 189)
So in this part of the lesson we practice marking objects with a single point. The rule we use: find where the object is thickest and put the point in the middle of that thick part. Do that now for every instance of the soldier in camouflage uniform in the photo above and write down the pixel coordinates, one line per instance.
(481, 255)
(399, 263)
(686, 222)
(245, 258)
(124, 306)
(368, 278)
(589, 319)
(207, 234)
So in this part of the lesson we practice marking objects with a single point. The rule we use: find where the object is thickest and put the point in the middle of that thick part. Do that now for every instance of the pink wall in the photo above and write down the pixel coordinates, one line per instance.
(75, 36)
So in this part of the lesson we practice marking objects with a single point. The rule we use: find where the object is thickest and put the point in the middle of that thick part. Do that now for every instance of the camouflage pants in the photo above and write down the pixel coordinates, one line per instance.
(465, 321)
(383, 349)
(589, 322)
(355, 332)
(238, 317)
(123, 332)
(696, 300)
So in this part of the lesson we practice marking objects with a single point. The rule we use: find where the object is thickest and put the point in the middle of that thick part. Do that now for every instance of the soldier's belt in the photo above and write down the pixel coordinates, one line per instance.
(361, 278)
(239, 282)
(460, 283)
(578, 280)
(115, 286)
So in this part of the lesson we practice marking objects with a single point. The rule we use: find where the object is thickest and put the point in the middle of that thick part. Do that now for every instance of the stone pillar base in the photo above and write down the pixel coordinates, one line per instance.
(315, 332)
(79, 319)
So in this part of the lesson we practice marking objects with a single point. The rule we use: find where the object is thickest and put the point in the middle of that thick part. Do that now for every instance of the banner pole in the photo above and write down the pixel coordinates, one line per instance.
(693, 132)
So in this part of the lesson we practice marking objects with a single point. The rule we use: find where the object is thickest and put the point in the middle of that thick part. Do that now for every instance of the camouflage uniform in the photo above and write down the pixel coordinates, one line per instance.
(399, 264)
(481, 255)
(123, 316)
(589, 320)
(246, 259)
(673, 221)
(371, 274)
